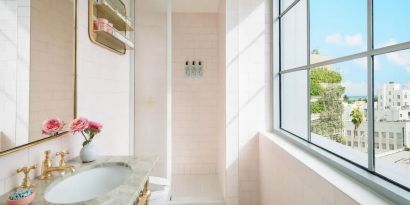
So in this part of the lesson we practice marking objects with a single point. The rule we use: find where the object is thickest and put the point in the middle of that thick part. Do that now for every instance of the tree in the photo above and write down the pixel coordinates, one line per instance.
(345, 98)
(357, 118)
(330, 121)
(325, 85)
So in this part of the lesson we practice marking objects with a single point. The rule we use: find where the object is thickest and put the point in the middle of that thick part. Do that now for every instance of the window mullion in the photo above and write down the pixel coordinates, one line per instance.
(370, 90)
(309, 134)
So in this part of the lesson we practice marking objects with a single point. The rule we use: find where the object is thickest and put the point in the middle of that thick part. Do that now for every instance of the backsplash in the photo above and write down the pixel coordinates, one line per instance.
(9, 179)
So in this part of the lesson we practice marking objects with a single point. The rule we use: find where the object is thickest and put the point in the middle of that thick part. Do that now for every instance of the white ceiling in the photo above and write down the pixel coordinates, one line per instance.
(195, 6)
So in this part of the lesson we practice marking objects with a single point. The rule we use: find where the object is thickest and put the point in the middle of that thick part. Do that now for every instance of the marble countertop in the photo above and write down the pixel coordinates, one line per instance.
(125, 194)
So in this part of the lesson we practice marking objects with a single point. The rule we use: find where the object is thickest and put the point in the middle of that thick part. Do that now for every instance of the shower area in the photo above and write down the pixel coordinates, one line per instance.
(181, 44)
(195, 98)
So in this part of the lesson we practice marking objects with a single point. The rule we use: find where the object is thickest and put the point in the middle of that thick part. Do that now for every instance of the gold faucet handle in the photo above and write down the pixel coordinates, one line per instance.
(26, 180)
(62, 156)
(47, 154)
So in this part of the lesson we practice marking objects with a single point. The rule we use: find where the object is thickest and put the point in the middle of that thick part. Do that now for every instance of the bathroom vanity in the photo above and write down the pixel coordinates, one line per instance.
(108, 180)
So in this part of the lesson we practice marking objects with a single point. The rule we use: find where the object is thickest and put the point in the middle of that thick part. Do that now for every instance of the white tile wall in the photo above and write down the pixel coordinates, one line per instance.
(195, 140)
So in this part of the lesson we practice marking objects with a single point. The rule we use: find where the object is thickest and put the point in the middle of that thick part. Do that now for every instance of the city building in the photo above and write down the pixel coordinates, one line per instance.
(392, 120)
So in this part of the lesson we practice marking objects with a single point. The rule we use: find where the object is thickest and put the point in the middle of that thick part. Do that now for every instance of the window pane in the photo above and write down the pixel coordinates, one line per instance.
(337, 28)
(392, 115)
(294, 37)
(294, 103)
(391, 22)
(339, 109)
(284, 4)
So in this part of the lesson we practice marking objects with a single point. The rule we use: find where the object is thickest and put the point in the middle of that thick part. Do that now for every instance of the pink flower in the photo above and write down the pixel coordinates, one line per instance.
(94, 127)
(79, 125)
(52, 126)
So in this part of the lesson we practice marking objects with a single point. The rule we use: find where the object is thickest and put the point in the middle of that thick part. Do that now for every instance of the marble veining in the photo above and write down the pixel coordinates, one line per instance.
(125, 194)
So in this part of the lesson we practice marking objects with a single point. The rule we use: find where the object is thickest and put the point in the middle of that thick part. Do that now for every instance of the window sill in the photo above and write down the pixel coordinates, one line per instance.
(359, 184)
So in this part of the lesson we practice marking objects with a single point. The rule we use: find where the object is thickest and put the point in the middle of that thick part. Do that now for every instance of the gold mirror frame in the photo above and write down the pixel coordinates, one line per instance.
(46, 139)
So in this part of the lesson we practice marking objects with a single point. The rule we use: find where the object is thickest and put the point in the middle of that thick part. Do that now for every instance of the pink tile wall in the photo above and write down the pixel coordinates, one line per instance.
(151, 83)
(103, 89)
(286, 180)
(254, 84)
(195, 141)
(221, 108)
(51, 66)
(248, 83)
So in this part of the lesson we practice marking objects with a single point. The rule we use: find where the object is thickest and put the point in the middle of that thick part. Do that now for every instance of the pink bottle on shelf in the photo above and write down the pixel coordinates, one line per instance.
(102, 24)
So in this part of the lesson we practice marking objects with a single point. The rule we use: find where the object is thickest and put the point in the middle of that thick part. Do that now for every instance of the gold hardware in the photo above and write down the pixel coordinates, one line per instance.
(62, 157)
(22, 147)
(144, 195)
(26, 180)
(47, 168)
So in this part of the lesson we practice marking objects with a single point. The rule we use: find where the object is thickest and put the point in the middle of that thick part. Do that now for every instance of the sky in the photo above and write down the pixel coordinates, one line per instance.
(339, 28)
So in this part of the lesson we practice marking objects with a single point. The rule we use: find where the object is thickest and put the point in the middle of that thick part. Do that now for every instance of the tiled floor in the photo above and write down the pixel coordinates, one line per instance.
(196, 190)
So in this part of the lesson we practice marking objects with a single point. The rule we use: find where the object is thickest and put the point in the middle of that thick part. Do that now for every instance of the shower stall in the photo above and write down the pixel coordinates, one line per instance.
(180, 89)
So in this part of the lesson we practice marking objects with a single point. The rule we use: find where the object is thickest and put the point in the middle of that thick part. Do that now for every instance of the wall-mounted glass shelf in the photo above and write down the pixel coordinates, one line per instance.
(115, 13)
(106, 10)
(115, 39)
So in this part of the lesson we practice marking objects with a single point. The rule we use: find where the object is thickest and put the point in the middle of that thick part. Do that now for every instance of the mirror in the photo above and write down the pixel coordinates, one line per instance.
(37, 68)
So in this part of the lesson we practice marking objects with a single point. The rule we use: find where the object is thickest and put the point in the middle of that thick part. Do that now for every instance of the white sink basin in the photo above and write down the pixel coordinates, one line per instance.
(87, 184)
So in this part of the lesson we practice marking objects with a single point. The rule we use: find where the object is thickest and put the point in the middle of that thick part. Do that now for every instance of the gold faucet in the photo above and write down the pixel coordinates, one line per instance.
(26, 180)
(47, 167)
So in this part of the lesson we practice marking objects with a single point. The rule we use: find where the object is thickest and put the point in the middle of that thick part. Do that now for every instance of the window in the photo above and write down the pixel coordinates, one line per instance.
(335, 32)
(389, 24)
(332, 65)
(396, 75)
